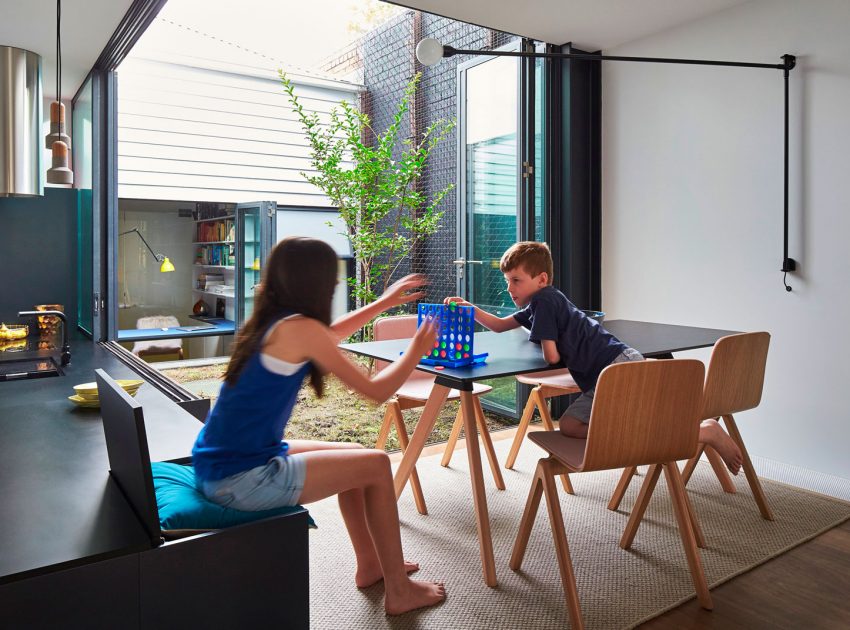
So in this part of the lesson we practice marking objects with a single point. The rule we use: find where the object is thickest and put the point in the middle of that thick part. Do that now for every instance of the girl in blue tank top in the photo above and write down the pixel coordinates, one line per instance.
(240, 458)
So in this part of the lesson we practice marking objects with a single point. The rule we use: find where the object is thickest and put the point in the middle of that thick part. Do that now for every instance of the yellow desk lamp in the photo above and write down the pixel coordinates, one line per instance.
(165, 264)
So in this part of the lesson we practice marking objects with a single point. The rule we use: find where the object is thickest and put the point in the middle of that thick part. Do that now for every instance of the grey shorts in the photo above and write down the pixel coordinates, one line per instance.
(580, 409)
(277, 483)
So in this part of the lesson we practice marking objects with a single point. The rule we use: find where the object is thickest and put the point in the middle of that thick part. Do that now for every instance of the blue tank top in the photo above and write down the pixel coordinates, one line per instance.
(245, 427)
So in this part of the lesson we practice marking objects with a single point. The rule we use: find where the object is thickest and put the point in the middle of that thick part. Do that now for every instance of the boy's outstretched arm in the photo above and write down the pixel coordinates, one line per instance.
(488, 320)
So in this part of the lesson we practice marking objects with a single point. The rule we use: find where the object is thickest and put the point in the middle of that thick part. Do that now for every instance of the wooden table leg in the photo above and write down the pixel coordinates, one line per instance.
(423, 429)
(479, 496)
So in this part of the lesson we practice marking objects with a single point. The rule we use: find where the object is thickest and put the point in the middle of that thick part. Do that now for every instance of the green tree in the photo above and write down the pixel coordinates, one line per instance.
(372, 178)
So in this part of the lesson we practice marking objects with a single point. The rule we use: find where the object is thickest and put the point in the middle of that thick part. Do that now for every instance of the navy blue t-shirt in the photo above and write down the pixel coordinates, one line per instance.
(586, 348)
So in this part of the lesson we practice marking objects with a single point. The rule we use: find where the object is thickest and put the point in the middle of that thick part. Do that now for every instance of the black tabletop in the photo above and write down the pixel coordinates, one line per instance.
(511, 353)
(651, 339)
(60, 507)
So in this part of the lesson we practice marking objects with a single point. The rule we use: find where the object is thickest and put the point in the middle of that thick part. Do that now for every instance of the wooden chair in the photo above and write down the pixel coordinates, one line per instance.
(643, 413)
(546, 385)
(414, 393)
(734, 383)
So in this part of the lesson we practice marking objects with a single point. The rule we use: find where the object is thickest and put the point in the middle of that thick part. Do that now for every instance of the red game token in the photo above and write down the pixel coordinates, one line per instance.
(439, 367)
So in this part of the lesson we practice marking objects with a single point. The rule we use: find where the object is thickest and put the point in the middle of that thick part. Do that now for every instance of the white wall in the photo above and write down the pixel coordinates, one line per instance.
(200, 134)
(142, 289)
(692, 207)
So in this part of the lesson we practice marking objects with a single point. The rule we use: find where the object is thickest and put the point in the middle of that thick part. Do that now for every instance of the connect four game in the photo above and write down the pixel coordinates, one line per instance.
(455, 336)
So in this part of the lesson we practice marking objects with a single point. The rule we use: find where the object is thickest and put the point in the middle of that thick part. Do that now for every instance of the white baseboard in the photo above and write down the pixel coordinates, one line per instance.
(800, 477)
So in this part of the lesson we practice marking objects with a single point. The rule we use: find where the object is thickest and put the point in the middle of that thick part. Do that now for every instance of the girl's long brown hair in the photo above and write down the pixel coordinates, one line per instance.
(300, 277)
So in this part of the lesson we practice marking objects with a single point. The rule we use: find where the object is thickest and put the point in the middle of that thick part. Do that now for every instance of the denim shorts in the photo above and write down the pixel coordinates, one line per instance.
(277, 483)
(580, 409)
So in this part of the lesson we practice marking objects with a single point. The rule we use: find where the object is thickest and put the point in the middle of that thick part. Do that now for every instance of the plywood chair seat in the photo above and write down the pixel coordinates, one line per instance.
(418, 389)
(568, 450)
(414, 393)
(550, 378)
(644, 412)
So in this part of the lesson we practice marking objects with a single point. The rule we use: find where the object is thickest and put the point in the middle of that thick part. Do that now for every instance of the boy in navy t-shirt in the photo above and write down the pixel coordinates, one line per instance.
(565, 334)
(569, 337)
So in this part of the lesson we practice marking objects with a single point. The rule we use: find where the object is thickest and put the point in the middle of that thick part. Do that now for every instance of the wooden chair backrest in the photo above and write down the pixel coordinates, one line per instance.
(735, 374)
(644, 412)
(394, 327)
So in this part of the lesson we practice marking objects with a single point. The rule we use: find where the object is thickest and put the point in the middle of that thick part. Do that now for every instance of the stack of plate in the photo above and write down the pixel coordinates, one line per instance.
(86, 394)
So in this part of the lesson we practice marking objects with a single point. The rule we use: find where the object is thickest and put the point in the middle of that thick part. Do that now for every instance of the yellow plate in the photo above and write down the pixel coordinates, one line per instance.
(84, 402)
(128, 385)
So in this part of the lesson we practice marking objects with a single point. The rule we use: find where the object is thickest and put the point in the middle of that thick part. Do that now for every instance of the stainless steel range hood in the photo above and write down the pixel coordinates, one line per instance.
(20, 123)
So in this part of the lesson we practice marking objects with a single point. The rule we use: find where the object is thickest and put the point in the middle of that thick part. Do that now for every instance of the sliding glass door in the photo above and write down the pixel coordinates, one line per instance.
(498, 142)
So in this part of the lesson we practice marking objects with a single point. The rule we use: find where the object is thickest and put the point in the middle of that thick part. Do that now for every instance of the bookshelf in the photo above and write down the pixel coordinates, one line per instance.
(213, 271)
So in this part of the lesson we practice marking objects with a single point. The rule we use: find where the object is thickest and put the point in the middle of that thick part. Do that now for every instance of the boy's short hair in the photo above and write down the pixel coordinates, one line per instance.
(532, 256)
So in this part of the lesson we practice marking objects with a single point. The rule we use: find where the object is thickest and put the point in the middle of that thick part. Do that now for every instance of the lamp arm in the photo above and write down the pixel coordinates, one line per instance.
(157, 257)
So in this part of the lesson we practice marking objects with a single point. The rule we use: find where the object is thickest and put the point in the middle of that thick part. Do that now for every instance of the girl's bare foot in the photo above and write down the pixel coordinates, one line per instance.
(711, 433)
(412, 595)
(372, 574)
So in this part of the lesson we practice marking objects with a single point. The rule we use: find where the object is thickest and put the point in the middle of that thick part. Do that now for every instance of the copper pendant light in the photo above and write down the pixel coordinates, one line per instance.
(57, 140)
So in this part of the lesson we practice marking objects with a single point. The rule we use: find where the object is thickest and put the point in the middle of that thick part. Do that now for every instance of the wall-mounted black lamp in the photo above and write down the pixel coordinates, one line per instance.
(430, 51)
(165, 265)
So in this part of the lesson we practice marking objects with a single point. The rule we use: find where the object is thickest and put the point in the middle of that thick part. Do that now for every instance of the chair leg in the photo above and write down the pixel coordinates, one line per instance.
(521, 430)
(488, 444)
(720, 470)
(622, 486)
(635, 518)
(698, 535)
(403, 440)
(527, 521)
(691, 464)
(543, 407)
(749, 470)
(455, 434)
(562, 549)
(680, 507)
(384, 433)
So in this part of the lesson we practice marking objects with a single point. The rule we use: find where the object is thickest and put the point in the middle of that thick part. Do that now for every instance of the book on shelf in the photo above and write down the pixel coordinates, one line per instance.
(224, 255)
(210, 231)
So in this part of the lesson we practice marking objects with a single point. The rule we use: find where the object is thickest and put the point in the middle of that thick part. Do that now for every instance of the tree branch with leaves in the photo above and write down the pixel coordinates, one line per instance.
(372, 178)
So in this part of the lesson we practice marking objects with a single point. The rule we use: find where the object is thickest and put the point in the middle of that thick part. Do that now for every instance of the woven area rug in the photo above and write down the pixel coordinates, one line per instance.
(617, 588)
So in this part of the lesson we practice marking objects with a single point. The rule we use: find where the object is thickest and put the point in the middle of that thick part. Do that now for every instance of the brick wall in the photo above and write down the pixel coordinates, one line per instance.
(385, 58)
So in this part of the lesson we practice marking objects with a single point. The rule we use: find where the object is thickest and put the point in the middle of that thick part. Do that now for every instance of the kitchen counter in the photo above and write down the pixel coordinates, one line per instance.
(60, 507)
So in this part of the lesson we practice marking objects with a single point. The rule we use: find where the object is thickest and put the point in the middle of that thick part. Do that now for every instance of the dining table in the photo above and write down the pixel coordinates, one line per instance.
(509, 354)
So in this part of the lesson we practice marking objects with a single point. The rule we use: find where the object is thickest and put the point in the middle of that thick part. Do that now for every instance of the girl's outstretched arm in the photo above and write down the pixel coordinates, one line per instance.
(400, 292)
(306, 339)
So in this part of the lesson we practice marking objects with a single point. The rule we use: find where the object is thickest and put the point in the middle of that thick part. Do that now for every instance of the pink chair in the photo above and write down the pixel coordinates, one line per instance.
(414, 393)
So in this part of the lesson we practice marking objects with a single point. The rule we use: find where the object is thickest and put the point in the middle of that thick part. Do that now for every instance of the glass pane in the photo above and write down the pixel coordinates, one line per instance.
(252, 260)
(491, 153)
(539, 148)
(82, 164)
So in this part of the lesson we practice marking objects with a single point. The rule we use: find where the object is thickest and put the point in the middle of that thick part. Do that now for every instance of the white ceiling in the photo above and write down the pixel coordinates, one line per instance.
(588, 24)
(86, 27)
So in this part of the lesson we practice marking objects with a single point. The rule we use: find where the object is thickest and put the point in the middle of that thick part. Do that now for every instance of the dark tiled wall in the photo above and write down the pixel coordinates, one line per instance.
(38, 253)
(388, 62)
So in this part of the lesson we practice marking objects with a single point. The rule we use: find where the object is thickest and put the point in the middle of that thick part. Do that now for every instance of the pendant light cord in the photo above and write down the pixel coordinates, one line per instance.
(58, 51)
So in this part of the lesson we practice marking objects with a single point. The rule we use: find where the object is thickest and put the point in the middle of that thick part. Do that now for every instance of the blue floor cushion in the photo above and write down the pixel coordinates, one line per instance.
(182, 507)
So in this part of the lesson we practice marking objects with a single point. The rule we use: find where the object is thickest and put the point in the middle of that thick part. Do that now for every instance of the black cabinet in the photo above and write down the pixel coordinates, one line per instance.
(98, 595)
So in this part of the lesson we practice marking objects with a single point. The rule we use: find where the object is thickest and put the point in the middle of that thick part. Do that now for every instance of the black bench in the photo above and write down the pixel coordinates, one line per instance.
(243, 576)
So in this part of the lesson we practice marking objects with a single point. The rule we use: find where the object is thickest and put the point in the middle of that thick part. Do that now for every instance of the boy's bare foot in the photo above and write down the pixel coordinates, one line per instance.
(372, 574)
(412, 595)
(711, 433)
